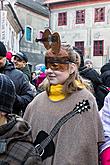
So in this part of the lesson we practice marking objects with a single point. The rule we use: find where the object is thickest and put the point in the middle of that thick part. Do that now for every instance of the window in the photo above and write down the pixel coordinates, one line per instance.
(98, 48)
(62, 19)
(80, 45)
(80, 16)
(99, 14)
(28, 34)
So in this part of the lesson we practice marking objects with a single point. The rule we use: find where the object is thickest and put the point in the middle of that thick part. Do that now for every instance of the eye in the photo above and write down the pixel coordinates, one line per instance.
(55, 66)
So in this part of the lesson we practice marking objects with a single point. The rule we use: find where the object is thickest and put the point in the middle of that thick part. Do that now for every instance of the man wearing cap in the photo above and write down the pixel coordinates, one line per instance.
(20, 60)
(24, 93)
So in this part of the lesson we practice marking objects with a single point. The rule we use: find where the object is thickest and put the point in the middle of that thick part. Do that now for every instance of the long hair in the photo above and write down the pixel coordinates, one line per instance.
(73, 81)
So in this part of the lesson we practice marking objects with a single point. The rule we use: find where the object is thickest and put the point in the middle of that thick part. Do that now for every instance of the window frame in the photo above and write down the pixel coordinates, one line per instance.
(80, 20)
(62, 19)
(27, 26)
(80, 45)
(97, 48)
(97, 16)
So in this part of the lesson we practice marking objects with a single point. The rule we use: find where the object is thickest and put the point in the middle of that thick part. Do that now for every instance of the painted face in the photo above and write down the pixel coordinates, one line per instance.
(19, 63)
(58, 71)
(2, 61)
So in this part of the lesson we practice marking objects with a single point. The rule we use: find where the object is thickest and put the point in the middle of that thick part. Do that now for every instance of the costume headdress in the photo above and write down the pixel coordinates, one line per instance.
(50, 41)
(55, 52)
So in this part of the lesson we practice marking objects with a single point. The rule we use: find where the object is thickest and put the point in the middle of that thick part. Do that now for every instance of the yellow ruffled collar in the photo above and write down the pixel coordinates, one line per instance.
(56, 93)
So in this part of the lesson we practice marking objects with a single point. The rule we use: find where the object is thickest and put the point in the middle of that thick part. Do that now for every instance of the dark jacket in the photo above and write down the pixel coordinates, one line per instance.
(27, 72)
(18, 149)
(92, 75)
(24, 93)
(106, 78)
(105, 74)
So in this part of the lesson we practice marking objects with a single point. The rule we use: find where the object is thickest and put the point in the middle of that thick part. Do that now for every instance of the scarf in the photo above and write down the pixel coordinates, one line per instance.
(56, 93)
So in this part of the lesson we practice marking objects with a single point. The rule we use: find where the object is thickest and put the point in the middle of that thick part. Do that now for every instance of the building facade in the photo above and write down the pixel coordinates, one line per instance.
(84, 24)
(10, 28)
(34, 18)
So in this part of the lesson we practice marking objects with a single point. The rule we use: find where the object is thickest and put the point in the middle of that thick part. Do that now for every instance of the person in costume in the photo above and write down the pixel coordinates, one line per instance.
(78, 139)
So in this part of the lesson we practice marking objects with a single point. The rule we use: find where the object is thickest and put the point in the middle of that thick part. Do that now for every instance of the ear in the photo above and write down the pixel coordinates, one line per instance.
(72, 68)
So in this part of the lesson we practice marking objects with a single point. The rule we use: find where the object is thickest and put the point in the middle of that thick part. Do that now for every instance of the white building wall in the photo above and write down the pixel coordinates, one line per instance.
(87, 32)
(8, 35)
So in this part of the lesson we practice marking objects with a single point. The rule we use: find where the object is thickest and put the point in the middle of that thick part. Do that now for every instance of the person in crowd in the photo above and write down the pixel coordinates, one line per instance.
(91, 74)
(88, 63)
(78, 139)
(40, 70)
(20, 60)
(105, 117)
(42, 75)
(24, 94)
(15, 133)
(33, 77)
(105, 74)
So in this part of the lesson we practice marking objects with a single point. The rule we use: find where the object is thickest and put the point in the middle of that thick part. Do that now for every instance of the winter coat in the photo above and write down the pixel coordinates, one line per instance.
(106, 78)
(24, 93)
(92, 75)
(105, 74)
(105, 117)
(16, 135)
(27, 72)
(77, 141)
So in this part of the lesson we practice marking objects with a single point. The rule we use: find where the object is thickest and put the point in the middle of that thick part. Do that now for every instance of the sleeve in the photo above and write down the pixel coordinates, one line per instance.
(105, 157)
(24, 96)
(105, 117)
(98, 125)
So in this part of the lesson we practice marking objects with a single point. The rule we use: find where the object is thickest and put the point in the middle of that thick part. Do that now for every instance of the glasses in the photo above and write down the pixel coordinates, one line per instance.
(57, 66)
(57, 63)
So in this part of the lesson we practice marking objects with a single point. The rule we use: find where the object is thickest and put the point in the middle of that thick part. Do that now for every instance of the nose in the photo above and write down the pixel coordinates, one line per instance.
(49, 70)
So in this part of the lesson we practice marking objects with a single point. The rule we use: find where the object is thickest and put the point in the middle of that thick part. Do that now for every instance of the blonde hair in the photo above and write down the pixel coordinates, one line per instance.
(71, 84)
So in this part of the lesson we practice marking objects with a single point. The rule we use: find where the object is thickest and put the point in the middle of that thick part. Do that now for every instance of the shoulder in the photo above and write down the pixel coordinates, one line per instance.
(40, 97)
(85, 94)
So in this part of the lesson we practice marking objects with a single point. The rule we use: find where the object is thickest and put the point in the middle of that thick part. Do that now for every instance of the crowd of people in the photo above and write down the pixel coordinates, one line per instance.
(35, 105)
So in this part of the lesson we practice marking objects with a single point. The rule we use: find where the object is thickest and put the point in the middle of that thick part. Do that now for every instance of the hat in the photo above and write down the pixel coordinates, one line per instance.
(40, 67)
(9, 55)
(3, 50)
(22, 56)
(7, 94)
(86, 61)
